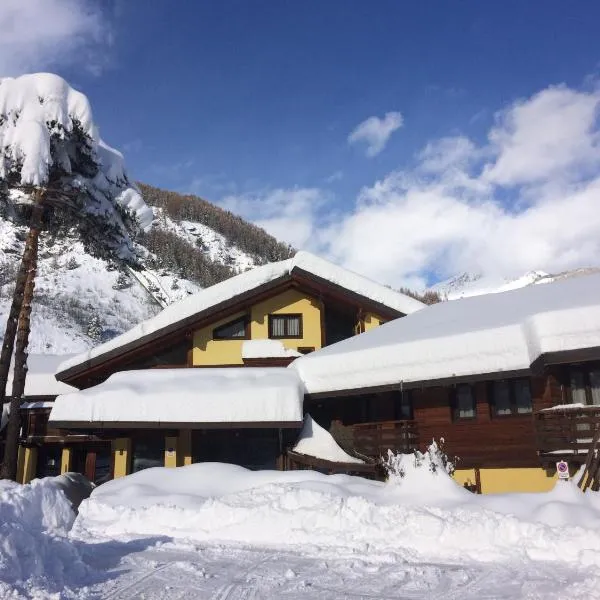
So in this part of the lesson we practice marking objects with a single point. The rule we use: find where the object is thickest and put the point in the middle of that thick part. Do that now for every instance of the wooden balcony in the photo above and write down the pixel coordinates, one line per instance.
(374, 439)
(565, 433)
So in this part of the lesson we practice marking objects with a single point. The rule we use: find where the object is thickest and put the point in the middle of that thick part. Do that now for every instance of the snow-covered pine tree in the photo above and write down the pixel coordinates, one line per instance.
(94, 329)
(56, 171)
(122, 282)
(72, 263)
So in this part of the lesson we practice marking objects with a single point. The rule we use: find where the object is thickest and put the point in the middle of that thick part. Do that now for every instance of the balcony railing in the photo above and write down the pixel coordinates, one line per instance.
(374, 439)
(566, 432)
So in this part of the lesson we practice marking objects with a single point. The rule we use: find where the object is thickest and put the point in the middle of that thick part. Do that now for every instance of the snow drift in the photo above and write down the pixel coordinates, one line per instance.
(318, 442)
(421, 515)
(34, 553)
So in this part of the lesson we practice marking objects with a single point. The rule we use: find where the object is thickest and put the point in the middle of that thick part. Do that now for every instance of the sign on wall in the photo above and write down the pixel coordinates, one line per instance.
(562, 468)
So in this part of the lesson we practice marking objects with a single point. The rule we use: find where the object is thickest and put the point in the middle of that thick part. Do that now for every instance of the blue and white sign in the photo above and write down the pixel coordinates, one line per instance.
(562, 468)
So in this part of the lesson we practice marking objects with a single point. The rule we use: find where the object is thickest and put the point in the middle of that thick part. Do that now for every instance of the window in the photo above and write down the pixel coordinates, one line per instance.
(404, 407)
(285, 326)
(522, 396)
(464, 402)
(510, 397)
(501, 398)
(585, 385)
(234, 330)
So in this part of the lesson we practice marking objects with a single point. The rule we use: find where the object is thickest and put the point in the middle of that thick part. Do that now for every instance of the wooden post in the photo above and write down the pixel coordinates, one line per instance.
(90, 465)
(18, 325)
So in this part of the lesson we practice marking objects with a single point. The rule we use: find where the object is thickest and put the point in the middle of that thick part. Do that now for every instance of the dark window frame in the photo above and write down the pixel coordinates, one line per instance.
(288, 317)
(455, 407)
(218, 337)
(585, 369)
(512, 396)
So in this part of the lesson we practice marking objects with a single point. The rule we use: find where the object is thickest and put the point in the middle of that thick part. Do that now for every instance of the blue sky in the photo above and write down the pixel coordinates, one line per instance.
(251, 104)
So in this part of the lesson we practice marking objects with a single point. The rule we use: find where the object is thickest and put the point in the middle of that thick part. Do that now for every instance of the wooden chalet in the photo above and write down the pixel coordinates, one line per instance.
(510, 381)
(292, 308)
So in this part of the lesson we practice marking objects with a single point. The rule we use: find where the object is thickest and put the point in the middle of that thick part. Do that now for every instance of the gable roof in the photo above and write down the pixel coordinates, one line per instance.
(209, 300)
(490, 334)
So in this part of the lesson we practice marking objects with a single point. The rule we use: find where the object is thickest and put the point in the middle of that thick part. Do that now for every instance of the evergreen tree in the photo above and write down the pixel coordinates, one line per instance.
(72, 263)
(122, 282)
(55, 172)
(94, 329)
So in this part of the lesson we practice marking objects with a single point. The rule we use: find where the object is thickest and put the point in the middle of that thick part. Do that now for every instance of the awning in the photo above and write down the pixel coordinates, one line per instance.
(186, 398)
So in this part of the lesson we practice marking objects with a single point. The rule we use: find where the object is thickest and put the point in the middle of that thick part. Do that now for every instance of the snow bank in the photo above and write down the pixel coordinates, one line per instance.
(420, 516)
(201, 396)
(266, 349)
(245, 282)
(318, 442)
(473, 336)
(34, 554)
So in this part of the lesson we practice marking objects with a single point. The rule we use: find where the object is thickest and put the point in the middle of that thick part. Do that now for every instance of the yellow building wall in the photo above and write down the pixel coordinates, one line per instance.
(170, 451)
(501, 481)
(121, 448)
(65, 460)
(29, 464)
(289, 302)
(217, 352)
(229, 352)
(372, 321)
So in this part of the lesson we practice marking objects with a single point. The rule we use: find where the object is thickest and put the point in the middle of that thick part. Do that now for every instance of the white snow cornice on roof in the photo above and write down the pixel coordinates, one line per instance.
(175, 396)
(461, 338)
(244, 283)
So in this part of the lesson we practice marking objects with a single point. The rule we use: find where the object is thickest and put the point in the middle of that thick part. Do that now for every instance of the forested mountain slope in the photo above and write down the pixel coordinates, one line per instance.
(82, 299)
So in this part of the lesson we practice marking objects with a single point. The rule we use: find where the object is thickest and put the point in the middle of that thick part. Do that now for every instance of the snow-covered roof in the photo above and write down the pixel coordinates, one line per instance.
(494, 333)
(40, 380)
(244, 283)
(267, 349)
(167, 397)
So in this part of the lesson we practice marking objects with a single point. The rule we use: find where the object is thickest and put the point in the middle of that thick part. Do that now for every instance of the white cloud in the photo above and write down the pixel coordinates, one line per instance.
(529, 198)
(336, 176)
(38, 34)
(554, 131)
(526, 198)
(376, 132)
(288, 214)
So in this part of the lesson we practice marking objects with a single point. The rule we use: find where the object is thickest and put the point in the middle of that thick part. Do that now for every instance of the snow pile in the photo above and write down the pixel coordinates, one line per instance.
(34, 554)
(209, 298)
(267, 349)
(424, 516)
(472, 336)
(318, 442)
(201, 396)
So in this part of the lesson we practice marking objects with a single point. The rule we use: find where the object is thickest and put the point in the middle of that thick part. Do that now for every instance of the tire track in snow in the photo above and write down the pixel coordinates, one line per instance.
(117, 594)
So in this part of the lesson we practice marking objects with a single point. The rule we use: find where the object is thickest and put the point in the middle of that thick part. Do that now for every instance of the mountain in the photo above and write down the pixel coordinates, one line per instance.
(81, 300)
(468, 284)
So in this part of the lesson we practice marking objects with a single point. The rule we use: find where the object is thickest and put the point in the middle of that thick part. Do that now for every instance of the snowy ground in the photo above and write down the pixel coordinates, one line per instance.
(219, 532)
(152, 569)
